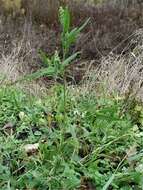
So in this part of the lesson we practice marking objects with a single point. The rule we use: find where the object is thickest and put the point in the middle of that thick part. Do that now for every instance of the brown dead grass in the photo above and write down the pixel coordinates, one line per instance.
(111, 22)
(111, 29)
(118, 74)
(19, 56)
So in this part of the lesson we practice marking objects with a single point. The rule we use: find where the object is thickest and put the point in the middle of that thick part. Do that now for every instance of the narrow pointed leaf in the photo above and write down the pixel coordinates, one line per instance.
(106, 186)
(70, 59)
(49, 72)
(83, 26)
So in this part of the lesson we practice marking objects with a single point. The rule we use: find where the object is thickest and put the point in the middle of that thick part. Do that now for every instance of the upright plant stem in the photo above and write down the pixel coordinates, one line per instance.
(64, 98)
(64, 77)
(64, 116)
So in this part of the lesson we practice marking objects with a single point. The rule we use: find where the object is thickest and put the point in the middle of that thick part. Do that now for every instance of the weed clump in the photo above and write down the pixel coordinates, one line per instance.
(95, 145)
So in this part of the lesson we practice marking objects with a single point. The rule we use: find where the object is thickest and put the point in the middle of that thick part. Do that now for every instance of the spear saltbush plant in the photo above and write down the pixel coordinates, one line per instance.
(56, 65)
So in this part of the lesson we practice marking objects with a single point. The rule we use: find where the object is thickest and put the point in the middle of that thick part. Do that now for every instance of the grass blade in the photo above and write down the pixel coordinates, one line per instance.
(108, 182)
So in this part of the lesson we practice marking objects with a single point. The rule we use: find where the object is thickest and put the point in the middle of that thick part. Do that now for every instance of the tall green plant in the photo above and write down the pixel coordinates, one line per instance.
(68, 36)
(56, 65)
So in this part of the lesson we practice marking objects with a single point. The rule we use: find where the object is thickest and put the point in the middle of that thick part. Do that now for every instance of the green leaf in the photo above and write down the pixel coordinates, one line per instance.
(83, 26)
(56, 62)
(135, 157)
(106, 186)
(67, 61)
(64, 19)
(49, 72)
(44, 58)
(72, 36)
(70, 59)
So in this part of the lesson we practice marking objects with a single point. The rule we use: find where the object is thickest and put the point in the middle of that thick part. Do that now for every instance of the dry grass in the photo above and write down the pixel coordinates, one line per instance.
(121, 74)
(111, 24)
(19, 57)
(13, 67)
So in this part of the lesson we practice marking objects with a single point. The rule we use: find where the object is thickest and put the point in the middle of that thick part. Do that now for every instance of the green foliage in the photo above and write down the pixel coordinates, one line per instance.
(94, 144)
(56, 65)
(68, 37)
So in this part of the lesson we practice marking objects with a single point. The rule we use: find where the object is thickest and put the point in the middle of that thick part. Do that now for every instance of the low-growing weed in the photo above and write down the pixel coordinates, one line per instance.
(98, 147)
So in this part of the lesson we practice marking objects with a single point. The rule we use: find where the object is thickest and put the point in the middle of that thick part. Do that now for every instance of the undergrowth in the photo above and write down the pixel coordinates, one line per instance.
(100, 144)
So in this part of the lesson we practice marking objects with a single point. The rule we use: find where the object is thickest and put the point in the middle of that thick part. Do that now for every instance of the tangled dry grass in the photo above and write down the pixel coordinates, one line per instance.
(121, 74)
(19, 57)
(111, 43)
(111, 22)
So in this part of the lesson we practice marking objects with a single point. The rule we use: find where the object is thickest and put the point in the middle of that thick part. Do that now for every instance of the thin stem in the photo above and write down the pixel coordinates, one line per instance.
(64, 98)
(64, 118)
